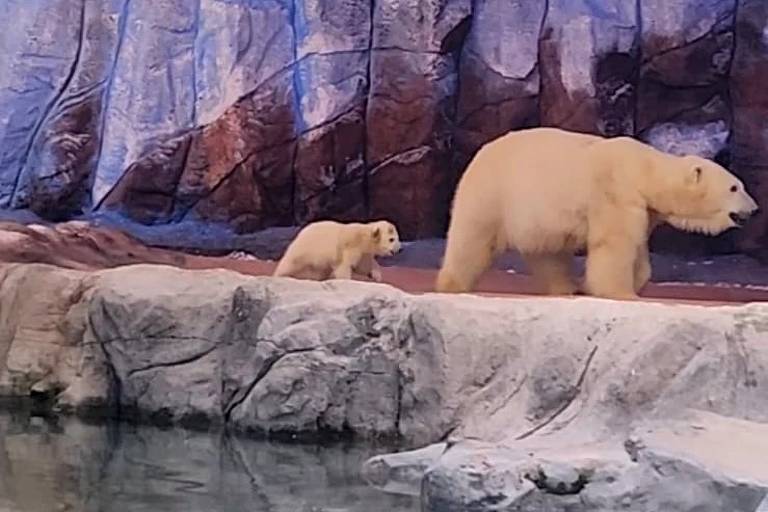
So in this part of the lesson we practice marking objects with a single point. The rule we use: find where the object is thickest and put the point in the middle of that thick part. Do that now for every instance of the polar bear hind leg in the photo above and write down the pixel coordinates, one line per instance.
(552, 272)
(469, 252)
(642, 268)
(288, 267)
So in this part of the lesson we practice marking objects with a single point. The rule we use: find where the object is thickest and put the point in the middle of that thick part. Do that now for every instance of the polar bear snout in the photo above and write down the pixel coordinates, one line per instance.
(392, 246)
(744, 209)
(741, 218)
(397, 248)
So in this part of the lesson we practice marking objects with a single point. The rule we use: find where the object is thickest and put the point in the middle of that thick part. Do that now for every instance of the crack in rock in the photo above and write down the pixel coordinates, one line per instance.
(573, 395)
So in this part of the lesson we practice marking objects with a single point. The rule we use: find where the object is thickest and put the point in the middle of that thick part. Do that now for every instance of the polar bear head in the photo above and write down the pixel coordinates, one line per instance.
(706, 198)
(385, 237)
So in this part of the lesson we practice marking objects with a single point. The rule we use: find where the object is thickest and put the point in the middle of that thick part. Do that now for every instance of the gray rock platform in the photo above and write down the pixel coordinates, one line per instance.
(510, 404)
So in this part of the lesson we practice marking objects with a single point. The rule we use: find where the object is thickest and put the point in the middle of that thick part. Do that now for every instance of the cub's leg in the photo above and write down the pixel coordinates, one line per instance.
(552, 273)
(369, 267)
(343, 269)
(297, 270)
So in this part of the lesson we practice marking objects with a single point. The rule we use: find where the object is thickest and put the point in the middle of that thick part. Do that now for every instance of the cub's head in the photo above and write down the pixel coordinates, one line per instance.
(710, 199)
(386, 240)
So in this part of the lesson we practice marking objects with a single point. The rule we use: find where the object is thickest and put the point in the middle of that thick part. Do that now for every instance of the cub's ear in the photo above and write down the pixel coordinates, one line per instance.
(377, 233)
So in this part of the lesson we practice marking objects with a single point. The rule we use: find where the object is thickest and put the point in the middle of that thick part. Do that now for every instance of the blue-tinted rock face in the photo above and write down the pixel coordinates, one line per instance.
(258, 113)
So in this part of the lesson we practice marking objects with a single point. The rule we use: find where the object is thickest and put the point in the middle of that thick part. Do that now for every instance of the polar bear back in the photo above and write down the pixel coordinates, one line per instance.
(538, 181)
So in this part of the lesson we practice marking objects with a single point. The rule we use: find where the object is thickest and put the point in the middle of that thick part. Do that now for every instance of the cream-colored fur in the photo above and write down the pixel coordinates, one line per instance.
(549, 193)
(330, 249)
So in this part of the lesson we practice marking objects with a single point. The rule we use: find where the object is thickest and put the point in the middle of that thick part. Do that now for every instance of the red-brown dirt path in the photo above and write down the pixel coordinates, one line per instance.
(502, 284)
(81, 246)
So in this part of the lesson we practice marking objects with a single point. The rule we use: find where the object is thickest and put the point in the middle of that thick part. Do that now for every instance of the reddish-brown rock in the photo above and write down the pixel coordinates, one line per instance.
(498, 84)
(588, 58)
(330, 170)
(686, 52)
(333, 47)
(411, 109)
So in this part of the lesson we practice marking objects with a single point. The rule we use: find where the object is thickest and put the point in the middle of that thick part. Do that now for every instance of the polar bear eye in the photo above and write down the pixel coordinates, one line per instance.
(734, 188)
(391, 240)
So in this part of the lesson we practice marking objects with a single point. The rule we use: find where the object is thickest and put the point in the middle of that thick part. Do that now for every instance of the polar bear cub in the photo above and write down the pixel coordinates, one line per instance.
(549, 193)
(330, 249)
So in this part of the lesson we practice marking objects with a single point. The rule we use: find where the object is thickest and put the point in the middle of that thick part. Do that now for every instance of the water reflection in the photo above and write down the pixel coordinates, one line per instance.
(71, 466)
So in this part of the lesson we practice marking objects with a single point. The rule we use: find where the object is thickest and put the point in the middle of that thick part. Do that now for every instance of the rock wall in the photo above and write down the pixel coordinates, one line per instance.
(276, 112)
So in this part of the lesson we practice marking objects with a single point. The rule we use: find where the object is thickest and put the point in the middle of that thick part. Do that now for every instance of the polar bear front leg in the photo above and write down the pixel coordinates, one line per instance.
(552, 273)
(616, 237)
(610, 271)
(642, 267)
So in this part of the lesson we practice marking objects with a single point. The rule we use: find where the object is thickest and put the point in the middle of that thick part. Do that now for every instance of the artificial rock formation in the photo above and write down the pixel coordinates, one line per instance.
(561, 404)
(257, 114)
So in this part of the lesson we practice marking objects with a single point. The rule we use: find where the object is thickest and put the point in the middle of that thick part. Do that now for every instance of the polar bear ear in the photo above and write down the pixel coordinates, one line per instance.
(695, 175)
(376, 233)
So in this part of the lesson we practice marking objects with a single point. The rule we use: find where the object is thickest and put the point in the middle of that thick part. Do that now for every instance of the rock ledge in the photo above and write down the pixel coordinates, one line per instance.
(555, 403)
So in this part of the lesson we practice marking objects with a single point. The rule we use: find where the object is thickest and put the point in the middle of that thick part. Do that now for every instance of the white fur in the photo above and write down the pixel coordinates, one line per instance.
(330, 249)
(548, 193)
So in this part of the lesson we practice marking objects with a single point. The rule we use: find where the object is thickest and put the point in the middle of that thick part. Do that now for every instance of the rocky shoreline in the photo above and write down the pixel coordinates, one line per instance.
(497, 379)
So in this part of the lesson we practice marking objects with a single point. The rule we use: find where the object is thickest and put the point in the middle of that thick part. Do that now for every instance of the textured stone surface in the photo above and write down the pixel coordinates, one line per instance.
(687, 48)
(700, 461)
(411, 105)
(599, 403)
(498, 84)
(588, 55)
(580, 431)
(750, 111)
(276, 353)
(279, 112)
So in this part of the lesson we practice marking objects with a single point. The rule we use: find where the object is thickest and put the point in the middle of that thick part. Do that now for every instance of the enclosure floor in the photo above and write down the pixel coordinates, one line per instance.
(113, 242)
(499, 283)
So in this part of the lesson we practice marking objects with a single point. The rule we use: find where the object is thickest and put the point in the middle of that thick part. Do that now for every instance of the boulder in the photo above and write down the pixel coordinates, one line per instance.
(701, 461)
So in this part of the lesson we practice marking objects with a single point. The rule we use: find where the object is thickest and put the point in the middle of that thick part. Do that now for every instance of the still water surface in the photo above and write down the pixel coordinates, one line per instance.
(72, 466)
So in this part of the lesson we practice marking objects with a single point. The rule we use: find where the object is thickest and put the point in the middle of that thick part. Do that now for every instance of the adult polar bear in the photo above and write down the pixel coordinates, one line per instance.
(549, 193)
